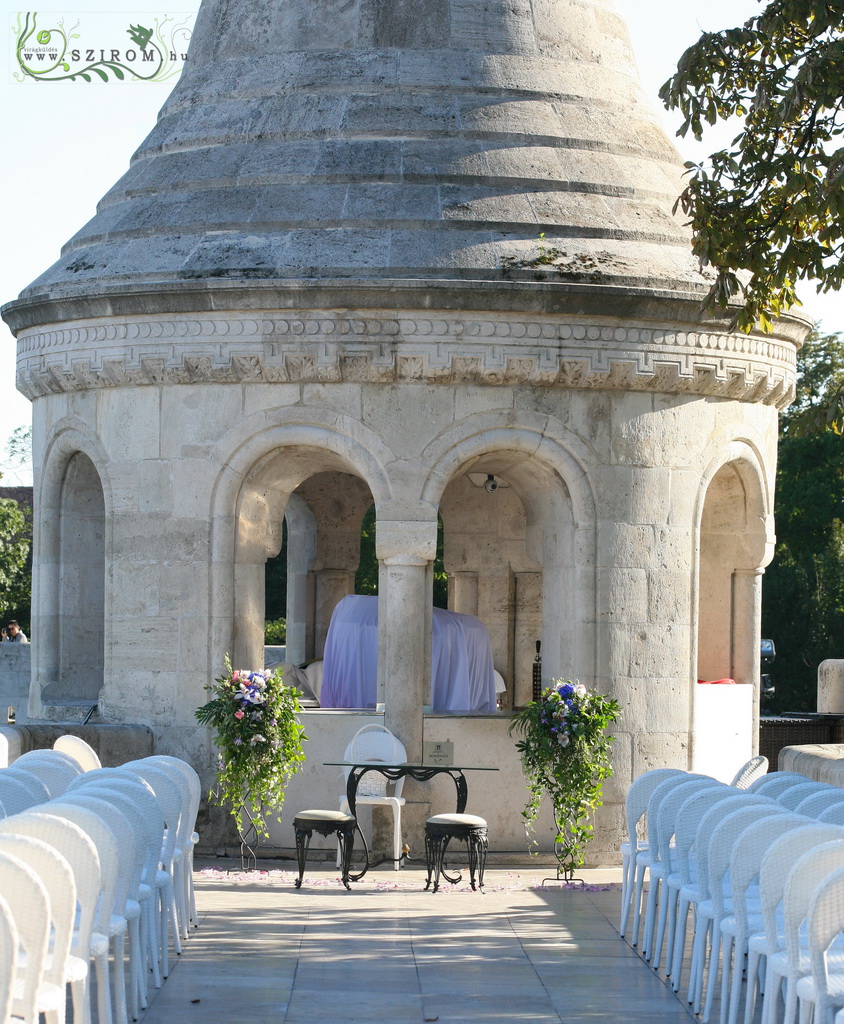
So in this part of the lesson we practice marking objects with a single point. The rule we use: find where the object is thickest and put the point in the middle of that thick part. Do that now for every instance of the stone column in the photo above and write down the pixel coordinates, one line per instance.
(747, 630)
(331, 586)
(301, 552)
(405, 551)
(463, 592)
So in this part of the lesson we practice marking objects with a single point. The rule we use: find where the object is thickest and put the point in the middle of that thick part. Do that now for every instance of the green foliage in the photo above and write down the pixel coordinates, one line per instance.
(15, 562)
(253, 715)
(565, 753)
(768, 210)
(803, 593)
(275, 631)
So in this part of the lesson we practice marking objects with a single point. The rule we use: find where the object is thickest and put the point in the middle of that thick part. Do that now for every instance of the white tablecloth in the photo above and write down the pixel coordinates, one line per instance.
(462, 673)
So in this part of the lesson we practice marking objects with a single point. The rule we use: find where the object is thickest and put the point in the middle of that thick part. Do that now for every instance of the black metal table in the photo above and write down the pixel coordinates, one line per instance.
(394, 772)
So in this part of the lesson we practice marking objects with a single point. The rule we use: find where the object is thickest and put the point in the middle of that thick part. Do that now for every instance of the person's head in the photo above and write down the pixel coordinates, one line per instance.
(13, 628)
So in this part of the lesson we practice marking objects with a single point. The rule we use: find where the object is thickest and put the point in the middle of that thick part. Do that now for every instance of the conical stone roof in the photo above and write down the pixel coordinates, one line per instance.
(364, 146)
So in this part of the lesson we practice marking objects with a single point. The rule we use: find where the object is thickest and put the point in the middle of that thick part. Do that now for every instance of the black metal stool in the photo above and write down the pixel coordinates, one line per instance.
(326, 823)
(440, 830)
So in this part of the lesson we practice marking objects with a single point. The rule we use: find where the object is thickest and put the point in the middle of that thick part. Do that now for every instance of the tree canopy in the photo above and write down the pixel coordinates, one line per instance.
(768, 210)
(803, 594)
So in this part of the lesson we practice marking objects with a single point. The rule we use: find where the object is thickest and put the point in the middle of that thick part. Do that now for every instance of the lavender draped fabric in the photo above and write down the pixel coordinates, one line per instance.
(463, 676)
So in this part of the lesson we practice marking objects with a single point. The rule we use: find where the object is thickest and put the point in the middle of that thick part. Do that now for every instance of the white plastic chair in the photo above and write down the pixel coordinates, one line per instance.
(745, 916)
(776, 866)
(823, 989)
(154, 879)
(8, 959)
(691, 880)
(792, 961)
(649, 853)
(664, 864)
(81, 854)
(81, 752)
(374, 744)
(728, 827)
(754, 769)
(57, 878)
(111, 926)
(30, 905)
(833, 815)
(191, 789)
(169, 797)
(635, 808)
(127, 896)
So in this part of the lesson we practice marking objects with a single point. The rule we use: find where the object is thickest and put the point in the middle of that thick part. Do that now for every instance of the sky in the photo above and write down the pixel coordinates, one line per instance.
(65, 144)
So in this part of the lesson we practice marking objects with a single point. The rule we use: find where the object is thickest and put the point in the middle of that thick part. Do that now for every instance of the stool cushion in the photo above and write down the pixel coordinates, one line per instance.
(467, 820)
(334, 816)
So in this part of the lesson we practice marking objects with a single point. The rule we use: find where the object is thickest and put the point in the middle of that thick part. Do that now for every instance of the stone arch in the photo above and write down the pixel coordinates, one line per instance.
(734, 544)
(533, 595)
(264, 462)
(70, 561)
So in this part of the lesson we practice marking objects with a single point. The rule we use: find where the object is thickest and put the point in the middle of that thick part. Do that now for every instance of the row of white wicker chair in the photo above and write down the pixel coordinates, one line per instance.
(88, 857)
(762, 869)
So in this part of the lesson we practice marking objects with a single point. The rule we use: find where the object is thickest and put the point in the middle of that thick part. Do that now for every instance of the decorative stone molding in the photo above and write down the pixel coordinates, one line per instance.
(317, 347)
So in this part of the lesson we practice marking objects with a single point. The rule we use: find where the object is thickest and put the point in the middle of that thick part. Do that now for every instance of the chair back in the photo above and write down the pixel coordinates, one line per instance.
(754, 769)
(687, 830)
(169, 798)
(669, 807)
(776, 782)
(825, 923)
(723, 838)
(57, 877)
(833, 815)
(792, 798)
(15, 795)
(36, 787)
(108, 851)
(30, 905)
(51, 768)
(639, 793)
(9, 945)
(79, 851)
(816, 803)
(188, 794)
(804, 878)
(776, 866)
(83, 753)
(132, 850)
(376, 744)
(748, 853)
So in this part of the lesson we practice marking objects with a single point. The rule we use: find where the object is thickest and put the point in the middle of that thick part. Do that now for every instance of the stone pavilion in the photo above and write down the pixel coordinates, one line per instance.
(377, 252)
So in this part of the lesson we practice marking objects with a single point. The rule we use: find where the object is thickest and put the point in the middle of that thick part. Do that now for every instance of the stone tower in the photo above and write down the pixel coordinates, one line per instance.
(375, 251)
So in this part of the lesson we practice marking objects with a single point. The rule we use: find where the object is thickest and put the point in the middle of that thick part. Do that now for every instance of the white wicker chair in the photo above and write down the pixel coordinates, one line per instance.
(30, 905)
(776, 866)
(81, 752)
(79, 851)
(776, 782)
(754, 769)
(53, 768)
(375, 743)
(635, 809)
(57, 878)
(792, 962)
(111, 926)
(8, 959)
(15, 795)
(823, 989)
(793, 797)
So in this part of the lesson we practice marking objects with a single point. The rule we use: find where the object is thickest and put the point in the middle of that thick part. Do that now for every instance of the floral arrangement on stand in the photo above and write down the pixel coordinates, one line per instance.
(565, 752)
(253, 715)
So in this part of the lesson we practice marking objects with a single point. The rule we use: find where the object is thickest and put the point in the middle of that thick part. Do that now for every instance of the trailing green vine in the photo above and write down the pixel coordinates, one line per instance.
(565, 752)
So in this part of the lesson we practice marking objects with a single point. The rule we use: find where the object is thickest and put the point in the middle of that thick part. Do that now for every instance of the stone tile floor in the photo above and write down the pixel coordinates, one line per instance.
(266, 953)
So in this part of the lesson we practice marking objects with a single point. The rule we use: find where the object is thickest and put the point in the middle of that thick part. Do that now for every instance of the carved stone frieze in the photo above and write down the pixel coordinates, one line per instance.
(328, 348)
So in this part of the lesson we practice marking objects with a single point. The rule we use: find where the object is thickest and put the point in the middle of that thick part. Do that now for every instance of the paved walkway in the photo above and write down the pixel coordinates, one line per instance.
(266, 953)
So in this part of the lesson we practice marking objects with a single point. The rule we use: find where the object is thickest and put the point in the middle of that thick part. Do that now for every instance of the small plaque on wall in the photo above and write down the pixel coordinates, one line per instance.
(438, 752)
